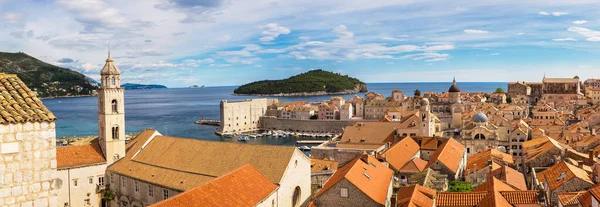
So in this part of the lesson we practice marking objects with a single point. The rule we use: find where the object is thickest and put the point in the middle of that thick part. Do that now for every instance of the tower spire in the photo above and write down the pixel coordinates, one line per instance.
(454, 80)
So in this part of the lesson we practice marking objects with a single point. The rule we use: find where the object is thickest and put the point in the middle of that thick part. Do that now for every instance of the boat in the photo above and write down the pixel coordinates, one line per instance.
(228, 135)
(304, 148)
(252, 136)
(243, 139)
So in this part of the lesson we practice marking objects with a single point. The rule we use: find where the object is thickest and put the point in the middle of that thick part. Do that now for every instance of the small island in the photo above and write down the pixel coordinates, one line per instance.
(129, 86)
(312, 83)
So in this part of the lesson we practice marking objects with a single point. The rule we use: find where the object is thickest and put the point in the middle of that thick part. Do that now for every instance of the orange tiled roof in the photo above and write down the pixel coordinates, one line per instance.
(401, 152)
(569, 198)
(585, 199)
(429, 143)
(494, 198)
(18, 104)
(450, 153)
(539, 146)
(415, 196)
(79, 155)
(462, 199)
(510, 176)
(482, 158)
(244, 186)
(369, 132)
(356, 171)
(414, 166)
(571, 171)
(317, 165)
(521, 197)
(595, 191)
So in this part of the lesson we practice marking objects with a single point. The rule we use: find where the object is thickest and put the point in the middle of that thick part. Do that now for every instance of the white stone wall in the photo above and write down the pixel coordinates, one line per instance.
(296, 174)
(28, 164)
(270, 201)
(71, 195)
(242, 116)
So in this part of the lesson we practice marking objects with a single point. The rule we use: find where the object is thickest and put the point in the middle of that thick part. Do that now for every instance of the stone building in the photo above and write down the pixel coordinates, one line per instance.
(242, 116)
(560, 178)
(592, 82)
(362, 182)
(542, 152)
(81, 168)
(481, 164)
(158, 167)
(482, 134)
(27, 147)
(450, 159)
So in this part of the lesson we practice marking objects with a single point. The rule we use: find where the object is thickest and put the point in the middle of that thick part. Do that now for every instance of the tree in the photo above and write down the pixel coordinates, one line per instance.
(458, 186)
(314, 117)
(499, 90)
(417, 93)
(108, 196)
(508, 100)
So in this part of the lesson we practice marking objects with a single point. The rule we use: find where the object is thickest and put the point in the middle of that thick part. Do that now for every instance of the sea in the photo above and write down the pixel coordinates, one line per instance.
(173, 111)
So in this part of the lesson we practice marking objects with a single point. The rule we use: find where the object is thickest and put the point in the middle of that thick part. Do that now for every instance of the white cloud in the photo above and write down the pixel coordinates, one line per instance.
(393, 39)
(428, 57)
(475, 31)
(272, 31)
(220, 65)
(156, 66)
(98, 16)
(564, 39)
(544, 13)
(196, 63)
(592, 35)
(558, 14)
(439, 47)
(342, 32)
(579, 22)
(90, 68)
(495, 54)
(13, 17)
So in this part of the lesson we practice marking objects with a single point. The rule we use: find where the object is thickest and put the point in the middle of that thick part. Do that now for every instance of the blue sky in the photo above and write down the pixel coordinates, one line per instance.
(227, 42)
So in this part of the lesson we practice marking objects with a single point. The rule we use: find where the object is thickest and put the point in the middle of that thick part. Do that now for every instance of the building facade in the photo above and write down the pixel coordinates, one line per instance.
(242, 116)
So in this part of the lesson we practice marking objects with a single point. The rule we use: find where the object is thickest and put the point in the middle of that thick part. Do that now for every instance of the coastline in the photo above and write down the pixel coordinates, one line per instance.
(55, 97)
(320, 93)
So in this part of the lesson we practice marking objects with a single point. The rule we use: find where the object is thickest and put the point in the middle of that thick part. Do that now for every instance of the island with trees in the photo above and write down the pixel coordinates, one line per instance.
(311, 83)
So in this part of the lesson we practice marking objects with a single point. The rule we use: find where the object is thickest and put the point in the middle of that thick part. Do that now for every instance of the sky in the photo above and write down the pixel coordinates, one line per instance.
(179, 43)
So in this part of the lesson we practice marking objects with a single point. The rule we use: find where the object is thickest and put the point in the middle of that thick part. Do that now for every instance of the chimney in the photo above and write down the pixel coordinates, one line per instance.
(590, 157)
(580, 164)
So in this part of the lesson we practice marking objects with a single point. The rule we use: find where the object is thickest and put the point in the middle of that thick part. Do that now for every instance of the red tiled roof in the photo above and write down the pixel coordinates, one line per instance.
(521, 197)
(79, 155)
(415, 165)
(586, 199)
(510, 176)
(415, 196)
(450, 153)
(401, 152)
(569, 198)
(481, 159)
(244, 186)
(571, 171)
(462, 199)
(356, 171)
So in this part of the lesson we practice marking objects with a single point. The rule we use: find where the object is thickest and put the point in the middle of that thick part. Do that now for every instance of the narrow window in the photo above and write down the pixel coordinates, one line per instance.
(74, 183)
(137, 186)
(114, 106)
(100, 180)
(91, 180)
(123, 179)
(165, 194)
(150, 190)
(113, 81)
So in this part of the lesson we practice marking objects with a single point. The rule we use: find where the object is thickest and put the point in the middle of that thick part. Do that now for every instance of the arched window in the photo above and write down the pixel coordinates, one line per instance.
(115, 132)
(114, 106)
(296, 197)
(113, 81)
(106, 81)
(479, 136)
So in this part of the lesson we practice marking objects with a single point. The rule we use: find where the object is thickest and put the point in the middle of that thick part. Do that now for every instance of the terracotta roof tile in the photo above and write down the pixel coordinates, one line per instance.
(79, 155)
(462, 199)
(317, 165)
(521, 197)
(585, 199)
(450, 153)
(245, 186)
(18, 104)
(415, 196)
(494, 198)
(595, 191)
(429, 143)
(375, 185)
(415, 165)
(569, 198)
(482, 159)
(510, 176)
(182, 164)
(401, 152)
(369, 132)
(571, 171)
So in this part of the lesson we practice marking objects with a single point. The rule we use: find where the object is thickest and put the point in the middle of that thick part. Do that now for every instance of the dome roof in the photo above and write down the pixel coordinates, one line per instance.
(109, 67)
(454, 87)
(480, 117)
(424, 101)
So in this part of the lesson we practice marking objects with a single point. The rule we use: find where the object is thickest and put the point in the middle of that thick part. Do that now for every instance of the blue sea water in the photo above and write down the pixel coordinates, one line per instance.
(173, 111)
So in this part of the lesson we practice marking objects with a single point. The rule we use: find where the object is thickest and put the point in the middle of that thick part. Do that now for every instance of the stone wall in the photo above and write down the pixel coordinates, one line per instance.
(573, 185)
(242, 116)
(28, 164)
(342, 156)
(127, 196)
(332, 197)
(296, 178)
(296, 125)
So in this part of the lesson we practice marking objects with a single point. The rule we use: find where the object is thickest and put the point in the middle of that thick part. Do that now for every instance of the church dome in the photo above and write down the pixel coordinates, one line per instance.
(454, 87)
(480, 118)
(424, 102)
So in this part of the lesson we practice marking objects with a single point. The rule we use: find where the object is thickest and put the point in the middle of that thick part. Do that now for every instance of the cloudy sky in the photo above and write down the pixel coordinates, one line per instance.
(230, 42)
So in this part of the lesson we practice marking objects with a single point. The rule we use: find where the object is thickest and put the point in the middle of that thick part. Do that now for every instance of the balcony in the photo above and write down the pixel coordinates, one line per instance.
(100, 188)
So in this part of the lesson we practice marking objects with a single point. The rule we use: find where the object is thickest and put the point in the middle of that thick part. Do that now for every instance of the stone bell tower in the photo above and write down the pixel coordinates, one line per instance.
(111, 113)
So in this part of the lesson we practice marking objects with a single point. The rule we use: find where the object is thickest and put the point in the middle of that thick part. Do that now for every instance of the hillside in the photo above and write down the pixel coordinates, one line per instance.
(45, 79)
(141, 86)
(314, 82)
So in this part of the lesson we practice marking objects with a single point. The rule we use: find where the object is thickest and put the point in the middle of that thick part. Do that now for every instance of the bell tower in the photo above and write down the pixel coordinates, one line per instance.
(111, 113)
